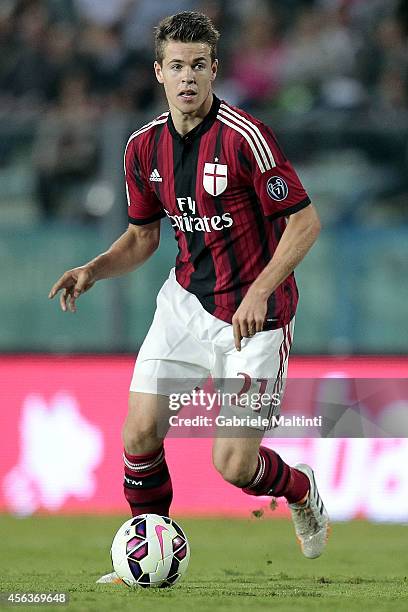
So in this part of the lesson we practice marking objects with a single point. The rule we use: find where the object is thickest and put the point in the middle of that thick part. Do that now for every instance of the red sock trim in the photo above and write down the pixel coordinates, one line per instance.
(140, 458)
(275, 477)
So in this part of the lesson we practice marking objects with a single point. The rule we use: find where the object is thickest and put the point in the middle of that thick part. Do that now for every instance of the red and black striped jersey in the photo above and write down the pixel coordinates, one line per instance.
(228, 189)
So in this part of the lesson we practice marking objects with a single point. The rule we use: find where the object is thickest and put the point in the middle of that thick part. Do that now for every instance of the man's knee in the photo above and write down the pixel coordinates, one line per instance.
(234, 467)
(141, 438)
(140, 430)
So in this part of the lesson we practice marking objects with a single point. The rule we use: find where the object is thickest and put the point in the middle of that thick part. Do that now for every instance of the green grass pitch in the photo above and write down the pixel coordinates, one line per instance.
(252, 564)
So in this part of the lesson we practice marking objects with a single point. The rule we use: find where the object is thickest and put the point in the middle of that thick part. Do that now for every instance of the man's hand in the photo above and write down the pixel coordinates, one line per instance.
(73, 284)
(249, 316)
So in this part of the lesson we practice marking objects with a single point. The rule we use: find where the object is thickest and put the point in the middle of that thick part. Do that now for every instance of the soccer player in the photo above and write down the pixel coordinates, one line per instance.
(243, 222)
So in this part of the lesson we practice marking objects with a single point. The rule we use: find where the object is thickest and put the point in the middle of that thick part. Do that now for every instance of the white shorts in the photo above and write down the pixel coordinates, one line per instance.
(186, 344)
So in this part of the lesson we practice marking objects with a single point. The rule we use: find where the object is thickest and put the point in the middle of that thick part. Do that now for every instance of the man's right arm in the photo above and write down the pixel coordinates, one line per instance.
(127, 253)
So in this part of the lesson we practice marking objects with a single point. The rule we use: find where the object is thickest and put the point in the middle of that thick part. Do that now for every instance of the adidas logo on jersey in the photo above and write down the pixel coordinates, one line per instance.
(155, 176)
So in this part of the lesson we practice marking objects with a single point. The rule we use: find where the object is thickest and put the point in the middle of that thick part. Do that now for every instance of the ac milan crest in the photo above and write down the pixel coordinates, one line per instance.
(215, 178)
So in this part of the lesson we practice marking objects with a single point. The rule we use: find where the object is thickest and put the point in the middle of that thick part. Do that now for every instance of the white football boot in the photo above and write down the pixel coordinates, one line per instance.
(310, 519)
(111, 578)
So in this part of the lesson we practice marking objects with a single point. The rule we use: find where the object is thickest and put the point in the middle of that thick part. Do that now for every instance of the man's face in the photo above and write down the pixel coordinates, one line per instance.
(187, 74)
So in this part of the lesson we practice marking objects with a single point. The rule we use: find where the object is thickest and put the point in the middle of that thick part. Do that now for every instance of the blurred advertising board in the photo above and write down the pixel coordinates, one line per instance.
(60, 434)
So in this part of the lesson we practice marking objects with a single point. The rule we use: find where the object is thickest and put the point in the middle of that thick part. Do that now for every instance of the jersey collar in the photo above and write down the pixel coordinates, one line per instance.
(199, 129)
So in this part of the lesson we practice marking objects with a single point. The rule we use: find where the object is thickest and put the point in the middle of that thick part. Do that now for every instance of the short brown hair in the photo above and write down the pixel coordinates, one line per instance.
(188, 26)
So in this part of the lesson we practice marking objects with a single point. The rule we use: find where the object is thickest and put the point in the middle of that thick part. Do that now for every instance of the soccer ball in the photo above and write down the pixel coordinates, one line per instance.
(150, 551)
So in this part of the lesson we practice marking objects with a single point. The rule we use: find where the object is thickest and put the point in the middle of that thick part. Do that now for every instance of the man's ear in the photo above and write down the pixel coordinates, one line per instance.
(158, 72)
(214, 68)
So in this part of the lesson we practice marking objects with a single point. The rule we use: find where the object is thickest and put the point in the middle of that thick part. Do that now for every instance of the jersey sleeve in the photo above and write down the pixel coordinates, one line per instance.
(273, 177)
(143, 205)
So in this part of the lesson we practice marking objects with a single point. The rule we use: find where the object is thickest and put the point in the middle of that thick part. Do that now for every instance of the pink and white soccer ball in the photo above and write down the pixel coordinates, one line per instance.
(150, 551)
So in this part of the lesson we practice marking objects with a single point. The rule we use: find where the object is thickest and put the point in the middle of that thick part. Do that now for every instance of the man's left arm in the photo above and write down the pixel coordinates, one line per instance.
(301, 232)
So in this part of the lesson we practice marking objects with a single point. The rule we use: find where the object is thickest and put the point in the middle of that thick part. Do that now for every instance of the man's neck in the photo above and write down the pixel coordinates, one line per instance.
(185, 122)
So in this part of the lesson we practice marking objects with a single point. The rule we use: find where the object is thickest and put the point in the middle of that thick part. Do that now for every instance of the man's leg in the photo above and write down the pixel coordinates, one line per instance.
(171, 360)
(258, 470)
(242, 461)
(147, 482)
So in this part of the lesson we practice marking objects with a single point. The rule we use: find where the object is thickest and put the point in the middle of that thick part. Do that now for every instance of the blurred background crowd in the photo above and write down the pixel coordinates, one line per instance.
(329, 76)
(296, 55)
